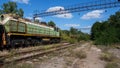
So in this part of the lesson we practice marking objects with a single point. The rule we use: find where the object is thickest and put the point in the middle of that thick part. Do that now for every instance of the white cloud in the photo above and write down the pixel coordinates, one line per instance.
(39, 18)
(29, 18)
(86, 27)
(72, 25)
(21, 1)
(92, 14)
(56, 8)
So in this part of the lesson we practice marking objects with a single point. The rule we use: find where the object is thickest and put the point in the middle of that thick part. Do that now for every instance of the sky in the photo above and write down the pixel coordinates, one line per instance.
(77, 20)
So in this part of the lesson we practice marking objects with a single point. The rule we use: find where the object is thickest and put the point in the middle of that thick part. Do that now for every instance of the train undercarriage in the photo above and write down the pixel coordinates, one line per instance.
(17, 40)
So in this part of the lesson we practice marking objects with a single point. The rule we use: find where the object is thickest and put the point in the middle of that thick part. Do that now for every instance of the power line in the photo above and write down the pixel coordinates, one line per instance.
(101, 4)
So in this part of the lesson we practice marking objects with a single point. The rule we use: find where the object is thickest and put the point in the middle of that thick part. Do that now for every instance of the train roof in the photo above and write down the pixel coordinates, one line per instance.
(15, 17)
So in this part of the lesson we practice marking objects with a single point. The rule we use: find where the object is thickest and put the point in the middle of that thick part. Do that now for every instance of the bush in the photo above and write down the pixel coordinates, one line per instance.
(72, 41)
(112, 65)
(107, 57)
(80, 54)
(84, 37)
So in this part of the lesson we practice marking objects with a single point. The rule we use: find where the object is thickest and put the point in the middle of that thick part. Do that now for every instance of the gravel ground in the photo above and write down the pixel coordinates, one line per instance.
(66, 59)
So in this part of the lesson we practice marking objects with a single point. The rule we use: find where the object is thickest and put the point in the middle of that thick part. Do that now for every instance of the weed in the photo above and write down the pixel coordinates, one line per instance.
(12, 52)
(80, 54)
(69, 62)
(106, 56)
(13, 65)
(112, 65)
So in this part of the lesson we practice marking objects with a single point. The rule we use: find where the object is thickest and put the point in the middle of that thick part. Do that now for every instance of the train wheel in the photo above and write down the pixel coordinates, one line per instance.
(8, 47)
(13, 44)
(1, 48)
(35, 44)
(27, 43)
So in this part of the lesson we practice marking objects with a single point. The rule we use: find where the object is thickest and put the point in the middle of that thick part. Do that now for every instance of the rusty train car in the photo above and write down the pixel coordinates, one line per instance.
(18, 31)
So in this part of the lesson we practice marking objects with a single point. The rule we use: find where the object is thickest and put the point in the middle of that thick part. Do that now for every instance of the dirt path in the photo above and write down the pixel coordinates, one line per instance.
(92, 60)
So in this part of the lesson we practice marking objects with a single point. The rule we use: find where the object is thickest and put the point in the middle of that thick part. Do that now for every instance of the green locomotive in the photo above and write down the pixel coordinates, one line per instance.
(19, 31)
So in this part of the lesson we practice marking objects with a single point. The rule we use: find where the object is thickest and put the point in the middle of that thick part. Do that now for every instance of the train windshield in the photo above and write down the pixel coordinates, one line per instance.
(1, 18)
(1, 33)
(1, 29)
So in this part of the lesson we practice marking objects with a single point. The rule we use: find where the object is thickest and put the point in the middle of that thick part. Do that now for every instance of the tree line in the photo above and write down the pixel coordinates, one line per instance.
(107, 32)
(74, 35)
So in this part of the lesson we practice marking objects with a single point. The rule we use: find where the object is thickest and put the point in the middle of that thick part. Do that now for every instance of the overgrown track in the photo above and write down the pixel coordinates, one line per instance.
(19, 56)
(35, 50)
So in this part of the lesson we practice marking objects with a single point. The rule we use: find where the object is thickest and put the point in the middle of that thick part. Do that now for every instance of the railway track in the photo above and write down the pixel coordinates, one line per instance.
(19, 56)
(41, 48)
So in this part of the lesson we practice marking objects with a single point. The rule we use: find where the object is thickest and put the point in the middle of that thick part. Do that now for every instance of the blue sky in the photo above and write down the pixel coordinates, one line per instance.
(78, 20)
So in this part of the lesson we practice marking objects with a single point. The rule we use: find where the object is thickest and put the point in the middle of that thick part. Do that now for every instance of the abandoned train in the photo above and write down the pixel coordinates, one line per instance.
(18, 31)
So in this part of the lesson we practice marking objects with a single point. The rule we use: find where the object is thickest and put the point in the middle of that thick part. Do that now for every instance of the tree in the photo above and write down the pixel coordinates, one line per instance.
(11, 7)
(73, 31)
(74, 35)
(95, 31)
(107, 32)
(1, 12)
(51, 23)
(20, 12)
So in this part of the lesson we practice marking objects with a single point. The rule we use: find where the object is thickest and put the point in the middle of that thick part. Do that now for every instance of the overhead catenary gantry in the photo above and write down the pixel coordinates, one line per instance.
(95, 5)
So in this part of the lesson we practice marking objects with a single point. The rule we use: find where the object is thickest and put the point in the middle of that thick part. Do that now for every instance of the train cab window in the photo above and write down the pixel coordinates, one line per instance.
(1, 32)
(1, 29)
(56, 29)
(1, 18)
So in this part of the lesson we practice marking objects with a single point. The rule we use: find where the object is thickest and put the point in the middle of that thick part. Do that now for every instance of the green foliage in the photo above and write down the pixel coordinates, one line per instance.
(112, 65)
(106, 56)
(74, 35)
(83, 36)
(1, 12)
(72, 41)
(95, 30)
(20, 12)
(65, 35)
(73, 30)
(11, 7)
(51, 23)
(22, 65)
(107, 32)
